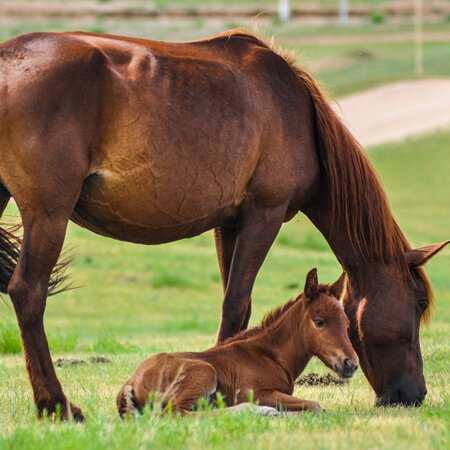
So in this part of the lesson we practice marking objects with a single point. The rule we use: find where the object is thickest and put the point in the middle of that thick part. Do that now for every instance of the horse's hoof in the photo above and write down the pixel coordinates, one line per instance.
(79, 418)
(76, 414)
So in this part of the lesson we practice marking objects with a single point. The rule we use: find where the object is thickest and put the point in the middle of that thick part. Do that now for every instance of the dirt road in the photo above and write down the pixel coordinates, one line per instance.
(396, 111)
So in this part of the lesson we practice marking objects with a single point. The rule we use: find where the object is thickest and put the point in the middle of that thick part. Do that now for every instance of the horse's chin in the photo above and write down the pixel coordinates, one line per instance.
(398, 398)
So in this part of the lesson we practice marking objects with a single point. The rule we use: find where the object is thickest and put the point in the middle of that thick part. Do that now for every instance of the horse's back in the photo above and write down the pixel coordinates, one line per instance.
(170, 139)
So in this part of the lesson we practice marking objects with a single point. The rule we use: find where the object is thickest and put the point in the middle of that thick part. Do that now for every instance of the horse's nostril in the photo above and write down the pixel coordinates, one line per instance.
(347, 363)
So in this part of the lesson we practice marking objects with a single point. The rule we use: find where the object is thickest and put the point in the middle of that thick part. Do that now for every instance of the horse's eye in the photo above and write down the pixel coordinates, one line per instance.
(319, 323)
(423, 305)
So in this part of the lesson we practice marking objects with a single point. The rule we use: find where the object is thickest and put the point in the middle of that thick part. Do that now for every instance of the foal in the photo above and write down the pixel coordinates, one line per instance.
(265, 360)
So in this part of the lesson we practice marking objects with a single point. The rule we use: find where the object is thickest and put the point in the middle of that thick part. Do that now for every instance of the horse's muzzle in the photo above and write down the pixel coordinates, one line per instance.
(401, 397)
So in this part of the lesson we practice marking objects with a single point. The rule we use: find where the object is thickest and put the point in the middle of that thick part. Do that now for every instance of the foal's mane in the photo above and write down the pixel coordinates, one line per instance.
(356, 195)
(271, 317)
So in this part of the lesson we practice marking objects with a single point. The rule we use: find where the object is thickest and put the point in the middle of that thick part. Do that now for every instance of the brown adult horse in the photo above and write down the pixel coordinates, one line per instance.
(151, 142)
(265, 360)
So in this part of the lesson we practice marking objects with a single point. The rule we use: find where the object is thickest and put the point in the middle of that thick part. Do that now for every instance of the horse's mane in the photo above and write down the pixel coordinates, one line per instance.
(357, 197)
(355, 191)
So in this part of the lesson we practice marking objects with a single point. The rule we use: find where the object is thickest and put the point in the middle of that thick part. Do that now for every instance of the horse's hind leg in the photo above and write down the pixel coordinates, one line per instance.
(46, 192)
(42, 243)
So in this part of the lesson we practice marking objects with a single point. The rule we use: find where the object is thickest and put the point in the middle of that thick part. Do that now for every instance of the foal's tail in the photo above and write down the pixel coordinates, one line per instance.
(10, 244)
(126, 403)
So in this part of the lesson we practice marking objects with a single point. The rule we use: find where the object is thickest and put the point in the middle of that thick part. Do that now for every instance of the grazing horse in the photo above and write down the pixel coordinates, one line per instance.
(265, 360)
(152, 142)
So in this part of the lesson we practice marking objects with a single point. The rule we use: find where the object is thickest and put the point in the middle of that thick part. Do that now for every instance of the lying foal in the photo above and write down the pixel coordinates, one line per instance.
(265, 360)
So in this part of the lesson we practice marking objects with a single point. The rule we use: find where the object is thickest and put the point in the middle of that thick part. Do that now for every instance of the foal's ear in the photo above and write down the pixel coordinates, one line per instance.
(419, 256)
(338, 288)
(311, 284)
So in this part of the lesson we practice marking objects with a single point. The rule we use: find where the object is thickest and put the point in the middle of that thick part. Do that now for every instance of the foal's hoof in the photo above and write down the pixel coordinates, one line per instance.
(255, 409)
(315, 408)
(267, 411)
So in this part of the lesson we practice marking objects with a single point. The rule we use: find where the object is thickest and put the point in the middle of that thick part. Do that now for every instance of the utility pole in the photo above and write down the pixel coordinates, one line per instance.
(419, 38)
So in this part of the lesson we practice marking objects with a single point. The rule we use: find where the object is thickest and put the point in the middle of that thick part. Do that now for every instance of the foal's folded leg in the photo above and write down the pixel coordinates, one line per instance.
(197, 380)
(287, 402)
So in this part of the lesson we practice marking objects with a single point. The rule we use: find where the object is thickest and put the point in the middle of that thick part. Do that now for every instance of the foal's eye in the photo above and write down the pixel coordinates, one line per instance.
(423, 305)
(319, 323)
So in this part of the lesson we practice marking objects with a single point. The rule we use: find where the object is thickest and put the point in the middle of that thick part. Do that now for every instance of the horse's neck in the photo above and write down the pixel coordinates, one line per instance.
(287, 342)
(335, 233)
(354, 263)
(366, 241)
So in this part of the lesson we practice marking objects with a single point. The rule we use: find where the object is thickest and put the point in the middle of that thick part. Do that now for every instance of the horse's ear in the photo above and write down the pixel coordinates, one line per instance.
(338, 288)
(311, 284)
(419, 256)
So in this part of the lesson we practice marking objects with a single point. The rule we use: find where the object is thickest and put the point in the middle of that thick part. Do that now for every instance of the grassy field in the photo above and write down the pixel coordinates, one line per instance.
(137, 300)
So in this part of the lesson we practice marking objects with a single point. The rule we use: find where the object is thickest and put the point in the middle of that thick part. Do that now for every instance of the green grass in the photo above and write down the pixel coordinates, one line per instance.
(356, 67)
(137, 300)
(127, 309)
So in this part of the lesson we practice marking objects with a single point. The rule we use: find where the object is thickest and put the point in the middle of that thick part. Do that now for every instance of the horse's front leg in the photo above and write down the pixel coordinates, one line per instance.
(42, 243)
(281, 401)
(257, 229)
(225, 239)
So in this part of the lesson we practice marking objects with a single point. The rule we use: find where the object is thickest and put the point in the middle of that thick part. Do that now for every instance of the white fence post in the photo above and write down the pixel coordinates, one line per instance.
(284, 10)
(343, 12)
(419, 38)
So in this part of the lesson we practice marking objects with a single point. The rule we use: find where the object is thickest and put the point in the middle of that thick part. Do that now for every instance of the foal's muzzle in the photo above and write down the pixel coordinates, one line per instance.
(347, 368)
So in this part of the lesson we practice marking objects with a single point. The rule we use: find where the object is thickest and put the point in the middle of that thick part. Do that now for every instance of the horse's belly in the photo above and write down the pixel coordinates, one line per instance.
(138, 209)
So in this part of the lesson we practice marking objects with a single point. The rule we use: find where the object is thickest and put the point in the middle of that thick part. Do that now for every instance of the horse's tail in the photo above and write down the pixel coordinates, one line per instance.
(356, 196)
(10, 244)
(9, 254)
(126, 402)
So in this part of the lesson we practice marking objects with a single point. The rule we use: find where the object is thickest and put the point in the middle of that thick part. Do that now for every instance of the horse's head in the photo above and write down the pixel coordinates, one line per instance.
(325, 325)
(385, 306)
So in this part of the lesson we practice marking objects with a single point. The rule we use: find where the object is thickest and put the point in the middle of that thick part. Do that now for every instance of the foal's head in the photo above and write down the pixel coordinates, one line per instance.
(325, 325)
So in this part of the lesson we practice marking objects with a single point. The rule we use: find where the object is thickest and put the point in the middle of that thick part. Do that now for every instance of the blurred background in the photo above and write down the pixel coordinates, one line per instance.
(349, 45)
